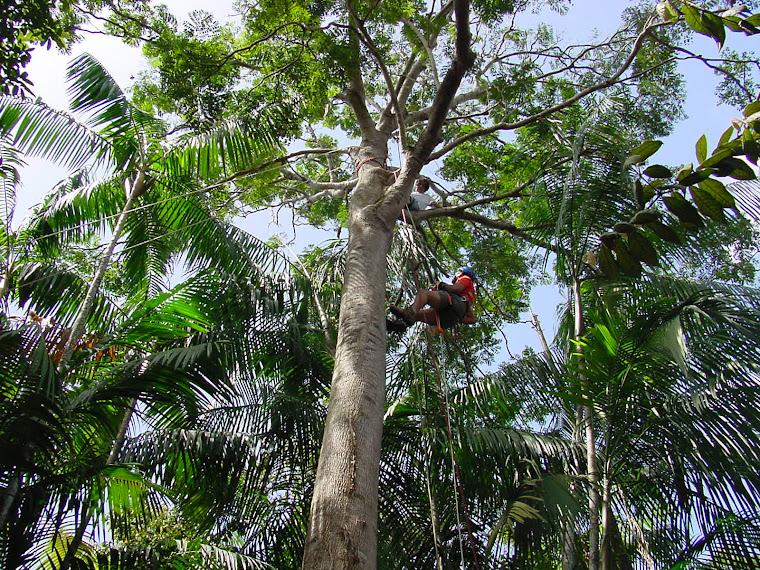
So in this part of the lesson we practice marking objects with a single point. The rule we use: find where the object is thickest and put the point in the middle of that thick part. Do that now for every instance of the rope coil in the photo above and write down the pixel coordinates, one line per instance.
(379, 159)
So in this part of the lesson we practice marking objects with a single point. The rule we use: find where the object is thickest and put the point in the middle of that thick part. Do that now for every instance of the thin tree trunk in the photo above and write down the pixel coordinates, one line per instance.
(605, 555)
(588, 420)
(9, 497)
(567, 521)
(5, 284)
(540, 332)
(77, 328)
(118, 443)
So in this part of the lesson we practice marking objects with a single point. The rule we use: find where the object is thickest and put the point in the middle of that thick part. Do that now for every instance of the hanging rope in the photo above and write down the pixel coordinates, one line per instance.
(459, 493)
(422, 395)
(459, 488)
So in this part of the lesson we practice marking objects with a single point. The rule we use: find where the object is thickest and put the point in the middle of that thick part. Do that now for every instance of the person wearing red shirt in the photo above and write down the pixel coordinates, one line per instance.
(450, 304)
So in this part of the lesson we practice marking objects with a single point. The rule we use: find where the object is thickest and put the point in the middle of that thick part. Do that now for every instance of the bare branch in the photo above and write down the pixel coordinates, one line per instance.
(275, 162)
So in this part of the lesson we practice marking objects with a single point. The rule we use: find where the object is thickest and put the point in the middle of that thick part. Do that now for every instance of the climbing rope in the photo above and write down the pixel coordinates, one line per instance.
(459, 488)
(380, 160)
(459, 493)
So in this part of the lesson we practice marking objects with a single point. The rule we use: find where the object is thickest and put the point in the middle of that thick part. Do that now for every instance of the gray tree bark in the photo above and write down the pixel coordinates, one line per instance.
(342, 530)
(343, 516)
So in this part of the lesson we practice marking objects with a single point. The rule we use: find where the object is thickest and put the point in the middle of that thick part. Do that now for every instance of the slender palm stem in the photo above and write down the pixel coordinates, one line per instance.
(86, 516)
(77, 328)
(588, 420)
(9, 497)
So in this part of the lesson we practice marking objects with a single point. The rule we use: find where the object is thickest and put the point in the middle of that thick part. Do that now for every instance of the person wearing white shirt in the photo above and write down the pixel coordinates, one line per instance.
(420, 200)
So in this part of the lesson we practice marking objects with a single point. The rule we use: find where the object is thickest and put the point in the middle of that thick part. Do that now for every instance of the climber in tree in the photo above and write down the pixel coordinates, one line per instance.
(450, 304)
(420, 199)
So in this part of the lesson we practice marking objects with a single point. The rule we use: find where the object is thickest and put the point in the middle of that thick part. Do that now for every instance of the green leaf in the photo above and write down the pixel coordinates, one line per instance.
(750, 148)
(609, 238)
(629, 265)
(401, 410)
(748, 28)
(734, 23)
(607, 263)
(696, 177)
(719, 154)
(638, 193)
(700, 23)
(751, 109)
(708, 205)
(658, 171)
(716, 27)
(649, 191)
(726, 136)
(641, 248)
(684, 172)
(625, 228)
(736, 168)
(683, 209)
(718, 191)
(664, 232)
(702, 148)
(642, 152)
(645, 216)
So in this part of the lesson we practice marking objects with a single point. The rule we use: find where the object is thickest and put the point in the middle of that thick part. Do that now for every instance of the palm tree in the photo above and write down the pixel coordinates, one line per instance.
(170, 359)
(148, 190)
(148, 198)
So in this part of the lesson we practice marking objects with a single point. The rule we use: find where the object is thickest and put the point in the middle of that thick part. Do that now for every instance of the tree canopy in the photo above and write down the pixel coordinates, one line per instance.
(595, 453)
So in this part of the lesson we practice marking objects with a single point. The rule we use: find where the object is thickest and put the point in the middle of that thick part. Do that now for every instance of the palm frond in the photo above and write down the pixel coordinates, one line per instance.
(226, 147)
(54, 290)
(747, 194)
(75, 210)
(95, 93)
(39, 130)
(731, 543)
(10, 162)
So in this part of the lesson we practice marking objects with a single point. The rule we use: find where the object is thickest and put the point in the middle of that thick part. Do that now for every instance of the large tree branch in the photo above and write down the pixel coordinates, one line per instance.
(417, 157)
(428, 46)
(463, 61)
(608, 82)
(367, 40)
(509, 227)
(424, 114)
(355, 94)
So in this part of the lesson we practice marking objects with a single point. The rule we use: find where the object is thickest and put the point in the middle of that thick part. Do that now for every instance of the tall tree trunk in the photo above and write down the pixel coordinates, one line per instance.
(77, 329)
(567, 521)
(8, 498)
(588, 421)
(605, 554)
(343, 517)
